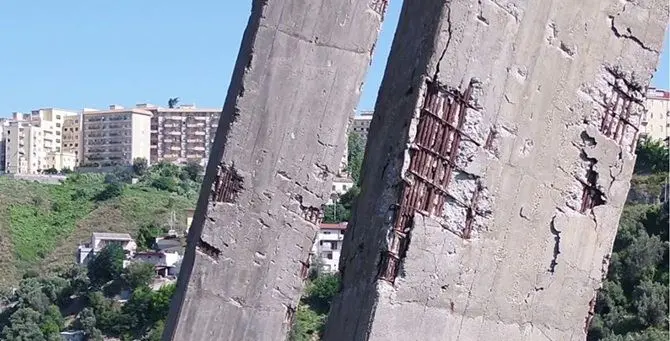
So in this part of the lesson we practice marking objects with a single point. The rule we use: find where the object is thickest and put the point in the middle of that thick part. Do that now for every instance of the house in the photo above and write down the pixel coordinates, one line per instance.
(340, 186)
(166, 263)
(98, 242)
(169, 244)
(328, 246)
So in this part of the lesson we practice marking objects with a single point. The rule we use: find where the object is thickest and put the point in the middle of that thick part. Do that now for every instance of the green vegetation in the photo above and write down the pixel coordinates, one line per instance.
(633, 302)
(341, 210)
(313, 309)
(36, 310)
(41, 225)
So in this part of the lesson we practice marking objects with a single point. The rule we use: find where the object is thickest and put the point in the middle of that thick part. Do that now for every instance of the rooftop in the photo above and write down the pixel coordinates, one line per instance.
(112, 236)
(118, 110)
(338, 226)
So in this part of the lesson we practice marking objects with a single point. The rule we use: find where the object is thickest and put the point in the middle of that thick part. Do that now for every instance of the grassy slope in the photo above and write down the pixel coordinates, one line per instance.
(41, 225)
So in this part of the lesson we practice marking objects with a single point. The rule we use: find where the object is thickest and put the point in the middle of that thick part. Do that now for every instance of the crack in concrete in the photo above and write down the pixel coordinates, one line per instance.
(629, 35)
(449, 32)
(557, 244)
(316, 42)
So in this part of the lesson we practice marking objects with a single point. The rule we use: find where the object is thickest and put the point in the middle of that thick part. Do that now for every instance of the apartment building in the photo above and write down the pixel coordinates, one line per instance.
(115, 137)
(328, 246)
(183, 134)
(51, 121)
(361, 124)
(656, 120)
(24, 153)
(72, 141)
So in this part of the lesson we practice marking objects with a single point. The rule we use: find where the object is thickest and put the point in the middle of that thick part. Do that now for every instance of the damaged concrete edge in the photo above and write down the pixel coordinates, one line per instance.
(228, 116)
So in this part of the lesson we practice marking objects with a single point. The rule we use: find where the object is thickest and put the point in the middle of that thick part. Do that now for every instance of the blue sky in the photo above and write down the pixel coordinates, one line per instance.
(74, 54)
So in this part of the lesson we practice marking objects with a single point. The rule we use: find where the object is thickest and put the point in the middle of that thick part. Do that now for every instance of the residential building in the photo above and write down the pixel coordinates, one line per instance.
(100, 240)
(60, 160)
(328, 246)
(72, 141)
(115, 137)
(656, 120)
(165, 263)
(51, 121)
(183, 134)
(340, 186)
(361, 124)
(24, 153)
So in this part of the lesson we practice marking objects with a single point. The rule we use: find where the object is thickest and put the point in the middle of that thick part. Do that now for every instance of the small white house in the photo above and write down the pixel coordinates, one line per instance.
(328, 246)
(340, 186)
(100, 240)
(166, 263)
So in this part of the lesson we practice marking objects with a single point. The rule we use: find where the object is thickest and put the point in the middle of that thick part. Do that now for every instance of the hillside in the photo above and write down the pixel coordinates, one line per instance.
(41, 225)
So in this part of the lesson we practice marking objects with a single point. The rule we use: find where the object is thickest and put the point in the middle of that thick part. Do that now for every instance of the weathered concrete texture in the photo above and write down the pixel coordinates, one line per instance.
(549, 93)
(296, 83)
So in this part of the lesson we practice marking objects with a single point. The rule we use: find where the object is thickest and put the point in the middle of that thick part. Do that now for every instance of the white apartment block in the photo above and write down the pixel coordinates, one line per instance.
(656, 120)
(183, 134)
(51, 121)
(115, 137)
(24, 153)
(328, 246)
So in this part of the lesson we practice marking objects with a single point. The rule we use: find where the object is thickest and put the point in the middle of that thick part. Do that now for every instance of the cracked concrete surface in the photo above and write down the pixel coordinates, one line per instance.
(295, 86)
(555, 174)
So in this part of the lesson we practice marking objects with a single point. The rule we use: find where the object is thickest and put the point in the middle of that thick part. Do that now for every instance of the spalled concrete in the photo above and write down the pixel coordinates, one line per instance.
(518, 247)
(296, 83)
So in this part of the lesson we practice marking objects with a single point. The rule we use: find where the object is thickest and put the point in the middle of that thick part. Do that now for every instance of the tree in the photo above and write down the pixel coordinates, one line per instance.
(348, 199)
(30, 295)
(51, 323)
(308, 324)
(335, 213)
(356, 151)
(138, 275)
(652, 157)
(78, 279)
(193, 171)
(146, 236)
(112, 190)
(86, 320)
(165, 183)
(140, 166)
(106, 265)
(321, 291)
(24, 325)
(172, 102)
(66, 171)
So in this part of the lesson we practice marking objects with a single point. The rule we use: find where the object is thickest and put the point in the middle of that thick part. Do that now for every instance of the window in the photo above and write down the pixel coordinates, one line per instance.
(58, 117)
(57, 125)
(334, 188)
(333, 245)
(329, 256)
